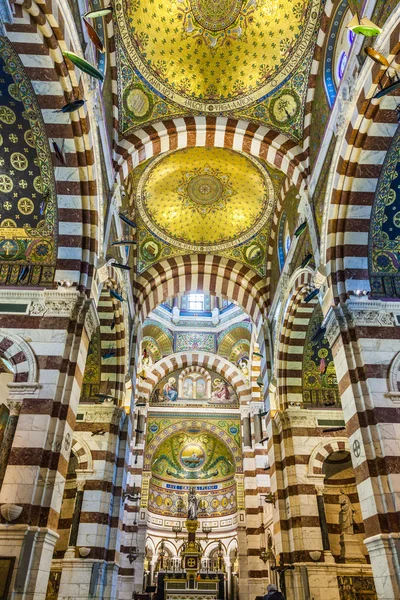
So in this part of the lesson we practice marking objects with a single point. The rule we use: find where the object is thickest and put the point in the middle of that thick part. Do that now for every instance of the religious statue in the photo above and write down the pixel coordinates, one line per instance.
(346, 514)
(193, 505)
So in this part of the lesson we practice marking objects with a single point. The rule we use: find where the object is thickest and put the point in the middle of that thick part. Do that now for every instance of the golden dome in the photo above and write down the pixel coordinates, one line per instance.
(205, 199)
(215, 55)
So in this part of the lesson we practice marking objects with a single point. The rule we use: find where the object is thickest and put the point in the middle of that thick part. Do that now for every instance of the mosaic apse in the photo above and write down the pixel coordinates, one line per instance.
(193, 457)
(27, 187)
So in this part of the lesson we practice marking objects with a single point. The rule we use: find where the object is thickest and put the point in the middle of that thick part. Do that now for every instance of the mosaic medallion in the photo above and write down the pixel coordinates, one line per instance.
(205, 189)
(205, 199)
(215, 56)
(192, 456)
(216, 15)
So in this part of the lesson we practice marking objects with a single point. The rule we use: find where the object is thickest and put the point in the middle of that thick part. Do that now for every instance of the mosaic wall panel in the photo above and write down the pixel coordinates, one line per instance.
(170, 499)
(92, 376)
(384, 236)
(201, 388)
(320, 386)
(27, 188)
(194, 341)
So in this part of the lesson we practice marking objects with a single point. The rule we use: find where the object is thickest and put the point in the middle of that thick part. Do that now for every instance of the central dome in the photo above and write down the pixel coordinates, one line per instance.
(205, 199)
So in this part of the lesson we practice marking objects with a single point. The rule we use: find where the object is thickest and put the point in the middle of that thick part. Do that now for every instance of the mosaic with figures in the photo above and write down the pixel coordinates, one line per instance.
(194, 386)
(27, 187)
(320, 386)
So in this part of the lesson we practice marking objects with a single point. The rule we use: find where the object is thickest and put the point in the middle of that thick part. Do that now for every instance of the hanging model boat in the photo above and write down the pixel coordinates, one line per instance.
(83, 65)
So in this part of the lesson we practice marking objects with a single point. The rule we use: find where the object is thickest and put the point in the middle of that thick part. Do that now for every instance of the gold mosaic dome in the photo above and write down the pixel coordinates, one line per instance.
(205, 199)
(213, 55)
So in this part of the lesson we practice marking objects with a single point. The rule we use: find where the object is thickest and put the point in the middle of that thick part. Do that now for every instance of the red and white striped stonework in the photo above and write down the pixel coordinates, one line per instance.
(358, 161)
(292, 339)
(365, 339)
(217, 275)
(221, 132)
(39, 34)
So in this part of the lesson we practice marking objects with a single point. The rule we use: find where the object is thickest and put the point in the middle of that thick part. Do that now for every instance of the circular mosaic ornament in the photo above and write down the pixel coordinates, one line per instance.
(7, 115)
(192, 456)
(254, 253)
(25, 206)
(284, 107)
(8, 249)
(138, 103)
(205, 189)
(150, 250)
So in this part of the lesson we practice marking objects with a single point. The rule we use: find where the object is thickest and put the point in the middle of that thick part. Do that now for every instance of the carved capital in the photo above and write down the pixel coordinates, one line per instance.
(80, 485)
(15, 408)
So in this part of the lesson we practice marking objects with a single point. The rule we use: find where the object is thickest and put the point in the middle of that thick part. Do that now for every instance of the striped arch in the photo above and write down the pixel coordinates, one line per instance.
(262, 142)
(273, 237)
(291, 339)
(112, 335)
(14, 349)
(359, 155)
(217, 275)
(82, 452)
(182, 360)
(322, 451)
(40, 33)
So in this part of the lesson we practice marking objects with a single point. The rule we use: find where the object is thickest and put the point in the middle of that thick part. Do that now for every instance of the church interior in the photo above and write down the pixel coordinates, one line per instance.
(199, 311)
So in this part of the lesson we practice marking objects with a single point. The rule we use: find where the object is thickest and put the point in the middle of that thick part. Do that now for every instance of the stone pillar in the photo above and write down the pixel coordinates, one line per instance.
(76, 517)
(175, 311)
(228, 579)
(215, 312)
(5, 449)
(257, 428)
(322, 519)
(246, 431)
(358, 331)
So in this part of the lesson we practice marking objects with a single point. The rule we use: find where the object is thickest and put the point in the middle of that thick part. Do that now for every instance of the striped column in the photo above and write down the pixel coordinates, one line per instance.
(365, 338)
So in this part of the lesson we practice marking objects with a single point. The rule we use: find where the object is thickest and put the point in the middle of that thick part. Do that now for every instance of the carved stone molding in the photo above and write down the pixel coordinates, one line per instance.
(18, 391)
(360, 313)
(91, 318)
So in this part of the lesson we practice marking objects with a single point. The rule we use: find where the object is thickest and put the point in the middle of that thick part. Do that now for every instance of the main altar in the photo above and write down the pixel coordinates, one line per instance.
(189, 579)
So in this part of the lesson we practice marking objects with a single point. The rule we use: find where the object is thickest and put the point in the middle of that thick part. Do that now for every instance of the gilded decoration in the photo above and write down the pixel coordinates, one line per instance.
(152, 248)
(226, 429)
(320, 386)
(198, 207)
(193, 456)
(194, 341)
(27, 188)
(219, 56)
(92, 376)
(215, 499)
(384, 236)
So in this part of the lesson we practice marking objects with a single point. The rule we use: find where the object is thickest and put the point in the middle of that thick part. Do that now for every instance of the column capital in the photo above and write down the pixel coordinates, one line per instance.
(15, 408)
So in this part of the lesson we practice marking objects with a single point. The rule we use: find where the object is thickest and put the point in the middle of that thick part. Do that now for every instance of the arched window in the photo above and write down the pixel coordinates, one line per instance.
(284, 240)
(337, 50)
